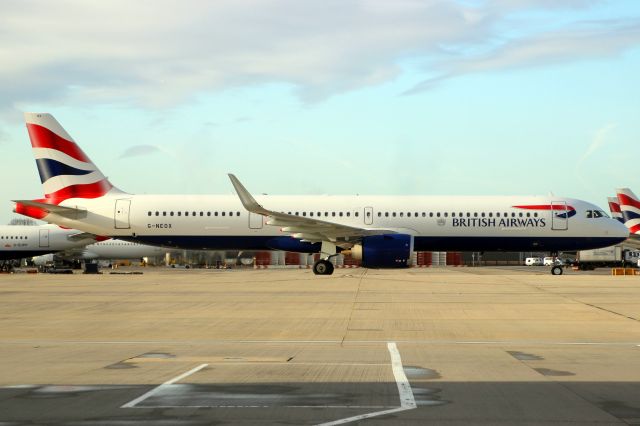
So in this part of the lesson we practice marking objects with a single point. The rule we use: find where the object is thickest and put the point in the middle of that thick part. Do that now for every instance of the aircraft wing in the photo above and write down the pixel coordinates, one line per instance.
(82, 236)
(306, 228)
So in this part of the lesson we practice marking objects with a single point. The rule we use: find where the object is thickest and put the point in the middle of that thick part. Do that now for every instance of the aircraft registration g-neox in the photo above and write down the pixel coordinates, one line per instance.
(382, 231)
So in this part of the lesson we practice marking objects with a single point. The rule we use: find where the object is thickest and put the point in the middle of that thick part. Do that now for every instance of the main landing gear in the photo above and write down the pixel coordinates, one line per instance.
(324, 265)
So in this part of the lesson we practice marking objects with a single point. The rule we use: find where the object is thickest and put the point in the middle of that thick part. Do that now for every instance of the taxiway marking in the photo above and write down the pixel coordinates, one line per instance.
(157, 389)
(407, 400)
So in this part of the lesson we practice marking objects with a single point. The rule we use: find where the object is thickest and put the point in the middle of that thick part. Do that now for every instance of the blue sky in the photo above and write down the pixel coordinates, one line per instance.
(332, 97)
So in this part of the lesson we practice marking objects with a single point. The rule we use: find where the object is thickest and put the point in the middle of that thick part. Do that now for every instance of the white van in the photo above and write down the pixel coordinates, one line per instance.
(533, 261)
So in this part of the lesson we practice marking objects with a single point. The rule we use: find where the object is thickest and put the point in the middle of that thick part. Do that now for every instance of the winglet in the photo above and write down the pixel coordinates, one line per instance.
(246, 198)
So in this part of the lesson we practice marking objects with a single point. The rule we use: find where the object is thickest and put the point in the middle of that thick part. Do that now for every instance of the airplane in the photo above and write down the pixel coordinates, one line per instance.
(41, 241)
(381, 231)
(104, 250)
(18, 242)
(630, 209)
(614, 208)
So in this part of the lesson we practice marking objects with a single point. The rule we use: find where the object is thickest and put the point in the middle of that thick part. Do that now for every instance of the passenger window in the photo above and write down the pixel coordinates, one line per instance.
(430, 214)
(304, 214)
(438, 214)
(170, 213)
(520, 214)
(356, 214)
(482, 214)
(186, 213)
(223, 213)
(230, 213)
(208, 213)
(446, 214)
(238, 214)
(348, 214)
(535, 215)
(179, 213)
(475, 214)
(424, 214)
(401, 214)
(201, 213)
(149, 214)
(393, 214)
(490, 214)
(386, 214)
(164, 213)
(340, 214)
(513, 214)
(215, 213)
(333, 214)
(528, 214)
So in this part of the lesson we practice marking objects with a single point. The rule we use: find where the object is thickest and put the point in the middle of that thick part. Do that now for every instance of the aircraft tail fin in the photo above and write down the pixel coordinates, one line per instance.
(630, 209)
(65, 170)
(614, 207)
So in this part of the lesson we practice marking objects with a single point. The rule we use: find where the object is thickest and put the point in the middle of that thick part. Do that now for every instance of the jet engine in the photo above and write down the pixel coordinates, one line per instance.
(384, 251)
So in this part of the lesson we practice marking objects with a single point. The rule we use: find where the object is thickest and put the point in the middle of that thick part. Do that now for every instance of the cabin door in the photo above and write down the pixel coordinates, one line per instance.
(44, 238)
(559, 216)
(121, 214)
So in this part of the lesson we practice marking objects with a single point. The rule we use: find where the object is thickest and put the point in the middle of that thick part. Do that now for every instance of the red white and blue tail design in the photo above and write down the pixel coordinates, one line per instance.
(65, 170)
(614, 207)
(630, 209)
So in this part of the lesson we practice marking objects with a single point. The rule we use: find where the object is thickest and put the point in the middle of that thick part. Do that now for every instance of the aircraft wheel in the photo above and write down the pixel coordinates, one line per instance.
(323, 267)
(556, 270)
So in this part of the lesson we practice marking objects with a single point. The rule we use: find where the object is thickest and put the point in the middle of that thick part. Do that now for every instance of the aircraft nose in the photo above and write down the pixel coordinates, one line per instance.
(618, 230)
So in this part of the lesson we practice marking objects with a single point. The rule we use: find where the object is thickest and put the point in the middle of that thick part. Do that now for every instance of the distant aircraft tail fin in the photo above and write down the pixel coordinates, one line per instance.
(614, 207)
(65, 170)
(630, 209)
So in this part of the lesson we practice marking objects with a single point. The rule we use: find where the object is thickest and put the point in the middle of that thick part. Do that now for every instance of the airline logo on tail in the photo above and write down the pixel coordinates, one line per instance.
(614, 207)
(65, 170)
(630, 209)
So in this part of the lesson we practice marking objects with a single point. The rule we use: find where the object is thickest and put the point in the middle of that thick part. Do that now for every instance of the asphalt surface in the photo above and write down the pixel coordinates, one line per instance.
(419, 346)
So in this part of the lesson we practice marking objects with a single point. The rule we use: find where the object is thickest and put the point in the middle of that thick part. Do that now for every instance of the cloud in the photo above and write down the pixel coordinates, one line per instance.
(599, 140)
(162, 53)
(140, 151)
(588, 40)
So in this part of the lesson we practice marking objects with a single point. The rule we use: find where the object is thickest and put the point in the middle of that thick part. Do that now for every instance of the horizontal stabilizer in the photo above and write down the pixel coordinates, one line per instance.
(69, 212)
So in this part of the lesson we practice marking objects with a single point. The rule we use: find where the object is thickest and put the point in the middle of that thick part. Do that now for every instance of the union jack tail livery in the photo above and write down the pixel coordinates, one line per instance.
(630, 208)
(614, 207)
(65, 170)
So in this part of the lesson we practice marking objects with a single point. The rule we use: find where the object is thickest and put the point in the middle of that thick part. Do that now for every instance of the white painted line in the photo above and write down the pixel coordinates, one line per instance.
(157, 389)
(404, 388)
(407, 401)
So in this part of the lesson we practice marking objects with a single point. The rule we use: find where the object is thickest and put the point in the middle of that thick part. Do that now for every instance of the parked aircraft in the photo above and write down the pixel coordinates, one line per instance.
(630, 209)
(614, 208)
(382, 231)
(20, 242)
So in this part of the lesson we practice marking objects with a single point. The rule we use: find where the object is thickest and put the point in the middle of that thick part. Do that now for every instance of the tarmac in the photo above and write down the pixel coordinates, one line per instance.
(443, 346)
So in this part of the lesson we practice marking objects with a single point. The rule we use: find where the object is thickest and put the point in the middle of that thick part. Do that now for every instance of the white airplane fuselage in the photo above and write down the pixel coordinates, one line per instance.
(19, 241)
(451, 223)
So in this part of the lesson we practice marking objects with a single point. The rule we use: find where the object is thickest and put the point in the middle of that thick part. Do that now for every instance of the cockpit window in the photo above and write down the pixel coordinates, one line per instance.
(592, 214)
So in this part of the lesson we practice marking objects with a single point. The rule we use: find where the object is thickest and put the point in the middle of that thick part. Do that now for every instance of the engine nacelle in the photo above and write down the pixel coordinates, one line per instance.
(384, 251)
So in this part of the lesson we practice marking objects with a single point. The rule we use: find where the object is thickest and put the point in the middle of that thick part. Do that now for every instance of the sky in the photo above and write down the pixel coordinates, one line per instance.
(469, 97)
